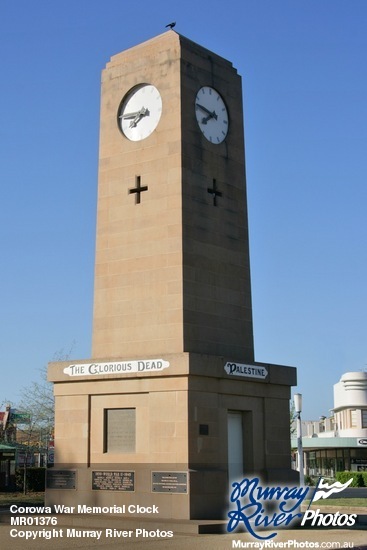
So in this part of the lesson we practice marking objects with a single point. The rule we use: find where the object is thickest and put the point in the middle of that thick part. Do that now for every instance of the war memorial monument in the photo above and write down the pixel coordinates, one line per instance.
(171, 406)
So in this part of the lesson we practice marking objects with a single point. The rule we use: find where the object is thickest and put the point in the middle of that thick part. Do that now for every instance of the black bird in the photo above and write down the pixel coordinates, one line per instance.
(171, 25)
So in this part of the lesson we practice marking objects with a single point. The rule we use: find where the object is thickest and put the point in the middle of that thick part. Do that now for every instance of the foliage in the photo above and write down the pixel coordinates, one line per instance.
(293, 418)
(35, 479)
(309, 481)
(358, 480)
(38, 400)
(32, 435)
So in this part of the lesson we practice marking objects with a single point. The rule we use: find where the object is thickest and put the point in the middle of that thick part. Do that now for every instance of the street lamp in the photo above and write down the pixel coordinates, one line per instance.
(298, 409)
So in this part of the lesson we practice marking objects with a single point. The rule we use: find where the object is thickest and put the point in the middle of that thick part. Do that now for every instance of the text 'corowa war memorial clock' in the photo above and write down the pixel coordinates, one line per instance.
(172, 406)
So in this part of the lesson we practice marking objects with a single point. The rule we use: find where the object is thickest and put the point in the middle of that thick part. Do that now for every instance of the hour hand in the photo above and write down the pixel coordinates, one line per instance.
(139, 115)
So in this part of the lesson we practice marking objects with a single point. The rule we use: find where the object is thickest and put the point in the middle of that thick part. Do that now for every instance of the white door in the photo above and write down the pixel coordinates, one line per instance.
(235, 446)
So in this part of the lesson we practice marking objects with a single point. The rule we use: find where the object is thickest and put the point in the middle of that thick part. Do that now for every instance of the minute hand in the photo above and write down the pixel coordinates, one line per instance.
(137, 116)
(212, 114)
(130, 115)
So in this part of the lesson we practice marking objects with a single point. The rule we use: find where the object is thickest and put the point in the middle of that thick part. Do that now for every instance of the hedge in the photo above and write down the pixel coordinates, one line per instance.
(359, 478)
(35, 478)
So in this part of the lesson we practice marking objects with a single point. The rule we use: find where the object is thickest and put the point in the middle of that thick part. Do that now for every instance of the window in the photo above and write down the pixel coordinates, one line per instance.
(119, 430)
(364, 419)
(353, 418)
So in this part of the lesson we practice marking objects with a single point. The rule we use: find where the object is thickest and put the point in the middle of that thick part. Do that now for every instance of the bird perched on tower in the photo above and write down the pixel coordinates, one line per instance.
(171, 25)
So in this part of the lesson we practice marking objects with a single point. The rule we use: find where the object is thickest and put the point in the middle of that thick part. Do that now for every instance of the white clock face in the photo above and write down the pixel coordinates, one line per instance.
(140, 111)
(211, 114)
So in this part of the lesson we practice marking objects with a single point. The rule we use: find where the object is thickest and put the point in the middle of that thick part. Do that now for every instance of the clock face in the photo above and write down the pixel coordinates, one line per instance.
(211, 114)
(140, 111)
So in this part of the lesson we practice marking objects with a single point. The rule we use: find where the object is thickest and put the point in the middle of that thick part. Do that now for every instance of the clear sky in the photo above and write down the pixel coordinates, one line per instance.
(303, 64)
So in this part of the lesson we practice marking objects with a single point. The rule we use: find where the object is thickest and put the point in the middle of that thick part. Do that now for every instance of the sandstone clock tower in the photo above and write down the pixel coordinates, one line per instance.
(172, 262)
(172, 405)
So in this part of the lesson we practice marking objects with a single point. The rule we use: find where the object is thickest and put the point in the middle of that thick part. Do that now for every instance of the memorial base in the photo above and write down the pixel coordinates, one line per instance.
(167, 441)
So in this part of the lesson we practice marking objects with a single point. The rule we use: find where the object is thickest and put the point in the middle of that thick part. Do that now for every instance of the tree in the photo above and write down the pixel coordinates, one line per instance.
(293, 418)
(38, 398)
(33, 436)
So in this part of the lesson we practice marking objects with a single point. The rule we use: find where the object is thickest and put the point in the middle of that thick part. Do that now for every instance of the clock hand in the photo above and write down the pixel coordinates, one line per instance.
(203, 108)
(204, 120)
(211, 114)
(130, 115)
(138, 115)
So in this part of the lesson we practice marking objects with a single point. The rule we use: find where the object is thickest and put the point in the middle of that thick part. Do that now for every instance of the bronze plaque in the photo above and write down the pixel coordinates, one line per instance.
(169, 482)
(61, 479)
(113, 481)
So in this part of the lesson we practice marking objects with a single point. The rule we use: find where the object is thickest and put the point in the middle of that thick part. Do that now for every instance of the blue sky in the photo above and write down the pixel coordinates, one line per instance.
(303, 64)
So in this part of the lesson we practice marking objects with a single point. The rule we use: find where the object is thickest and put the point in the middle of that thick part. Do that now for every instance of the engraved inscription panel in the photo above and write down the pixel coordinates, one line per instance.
(120, 430)
(169, 482)
(61, 479)
(113, 481)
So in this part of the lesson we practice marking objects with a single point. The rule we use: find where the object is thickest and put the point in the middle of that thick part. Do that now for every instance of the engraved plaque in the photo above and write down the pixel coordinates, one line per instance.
(169, 482)
(61, 479)
(113, 481)
(120, 431)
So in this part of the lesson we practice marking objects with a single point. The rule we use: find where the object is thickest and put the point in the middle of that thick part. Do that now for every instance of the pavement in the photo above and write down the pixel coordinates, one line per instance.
(306, 539)
(71, 532)
(155, 536)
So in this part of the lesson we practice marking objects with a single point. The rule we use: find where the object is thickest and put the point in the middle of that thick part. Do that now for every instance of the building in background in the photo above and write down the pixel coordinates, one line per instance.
(28, 442)
(338, 442)
(7, 453)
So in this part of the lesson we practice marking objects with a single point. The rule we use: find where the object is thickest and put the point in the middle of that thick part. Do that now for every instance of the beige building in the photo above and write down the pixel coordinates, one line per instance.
(172, 404)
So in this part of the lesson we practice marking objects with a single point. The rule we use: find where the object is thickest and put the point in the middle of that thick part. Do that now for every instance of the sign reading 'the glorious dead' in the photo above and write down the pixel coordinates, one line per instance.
(121, 367)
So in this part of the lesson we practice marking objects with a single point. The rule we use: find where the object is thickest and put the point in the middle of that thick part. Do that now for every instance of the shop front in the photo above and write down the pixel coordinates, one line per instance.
(324, 456)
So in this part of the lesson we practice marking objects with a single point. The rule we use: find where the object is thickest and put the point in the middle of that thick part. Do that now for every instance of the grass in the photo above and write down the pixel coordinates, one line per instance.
(340, 502)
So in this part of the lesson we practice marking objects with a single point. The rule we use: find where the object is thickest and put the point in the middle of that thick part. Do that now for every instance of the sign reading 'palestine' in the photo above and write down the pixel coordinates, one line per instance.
(121, 367)
(252, 371)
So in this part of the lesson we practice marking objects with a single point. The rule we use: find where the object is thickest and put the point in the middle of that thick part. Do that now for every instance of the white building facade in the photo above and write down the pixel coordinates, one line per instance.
(338, 442)
(350, 405)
